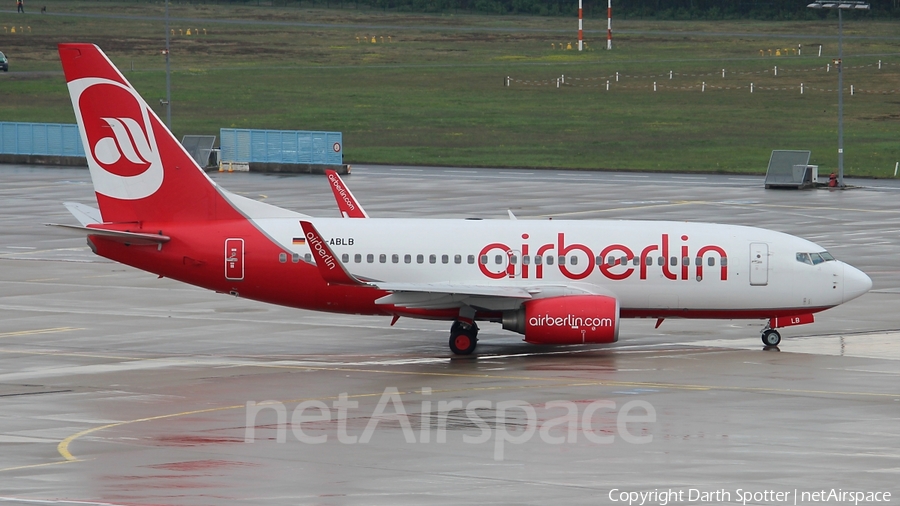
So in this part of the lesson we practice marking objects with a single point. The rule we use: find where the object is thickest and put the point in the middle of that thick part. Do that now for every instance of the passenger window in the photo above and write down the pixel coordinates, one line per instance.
(432, 259)
(483, 259)
(470, 259)
(549, 260)
(573, 260)
(685, 260)
(648, 261)
(445, 259)
(308, 257)
(357, 258)
(526, 260)
(699, 261)
(562, 260)
(420, 259)
(724, 261)
(395, 258)
(282, 257)
(610, 260)
(537, 260)
(673, 261)
(803, 258)
(635, 261)
(370, 258)
(711, 261)
(345, 258)
(623, 261)
(660, 261)
(598, 260)
(295, 257)
(382, 258)
(457, 259)
(498, 259)
(513, 259)
(407, 259)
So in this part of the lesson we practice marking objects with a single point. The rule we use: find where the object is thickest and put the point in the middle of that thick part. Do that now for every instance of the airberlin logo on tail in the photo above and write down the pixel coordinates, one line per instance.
(117, 132)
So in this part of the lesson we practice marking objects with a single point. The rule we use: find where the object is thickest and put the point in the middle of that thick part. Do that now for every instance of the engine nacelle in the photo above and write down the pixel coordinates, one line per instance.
(575, 319)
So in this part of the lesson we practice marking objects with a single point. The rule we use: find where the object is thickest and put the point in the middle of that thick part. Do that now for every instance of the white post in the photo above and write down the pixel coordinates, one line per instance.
(704, 87)
(801, 88)
(507, 81)
(609, 25)
(751, 87)
(879, 64)
(617, 77)
(776, 70)
(896, 166)
(723, 73)
(828, 68)
(563, 78)
(820, 49)
(799, 49)
(851, 90)
(670, 75)
(557, 82)
(654, 85)
(607, 85)
(579, 26)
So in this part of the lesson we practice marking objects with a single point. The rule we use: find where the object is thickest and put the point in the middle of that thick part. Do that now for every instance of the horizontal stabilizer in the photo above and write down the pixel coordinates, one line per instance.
(86, 215)
(136, 238)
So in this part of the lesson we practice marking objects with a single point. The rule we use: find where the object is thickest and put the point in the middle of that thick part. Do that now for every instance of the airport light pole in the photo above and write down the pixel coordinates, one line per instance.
(168, 75)
(840, 7)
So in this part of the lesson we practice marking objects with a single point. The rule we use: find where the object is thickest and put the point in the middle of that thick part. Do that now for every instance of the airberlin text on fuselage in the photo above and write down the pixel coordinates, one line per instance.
(686, 257)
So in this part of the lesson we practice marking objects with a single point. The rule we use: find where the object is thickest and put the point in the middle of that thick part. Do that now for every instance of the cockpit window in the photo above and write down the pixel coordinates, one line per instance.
(814, 258)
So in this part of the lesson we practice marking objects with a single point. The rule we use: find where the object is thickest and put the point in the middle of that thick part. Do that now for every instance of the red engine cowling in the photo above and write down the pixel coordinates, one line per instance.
(575, 319)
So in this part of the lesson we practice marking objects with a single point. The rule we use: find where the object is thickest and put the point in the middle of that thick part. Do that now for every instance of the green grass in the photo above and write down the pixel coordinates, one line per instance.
(436, 96)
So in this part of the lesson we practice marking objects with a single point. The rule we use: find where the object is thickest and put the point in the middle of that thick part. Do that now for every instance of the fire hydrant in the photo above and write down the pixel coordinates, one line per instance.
(832, 180)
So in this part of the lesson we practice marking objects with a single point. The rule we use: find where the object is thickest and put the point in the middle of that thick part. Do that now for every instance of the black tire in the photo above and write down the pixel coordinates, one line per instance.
(771, 337)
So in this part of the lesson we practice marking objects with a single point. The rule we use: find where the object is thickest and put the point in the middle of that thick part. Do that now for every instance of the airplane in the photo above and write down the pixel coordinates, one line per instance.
(555, 282)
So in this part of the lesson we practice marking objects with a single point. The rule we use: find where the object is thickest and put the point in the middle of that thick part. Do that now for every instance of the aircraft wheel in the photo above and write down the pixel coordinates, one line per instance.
(771, 337)
(463, 341)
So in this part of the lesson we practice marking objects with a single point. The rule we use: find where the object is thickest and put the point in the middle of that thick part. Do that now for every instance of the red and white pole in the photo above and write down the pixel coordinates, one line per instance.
(609, 24)
(579, 25)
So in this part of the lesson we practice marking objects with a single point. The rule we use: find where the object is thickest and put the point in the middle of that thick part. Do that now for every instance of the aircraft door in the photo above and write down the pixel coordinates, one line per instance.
(234, 259)
(514, 257)
(759, 264)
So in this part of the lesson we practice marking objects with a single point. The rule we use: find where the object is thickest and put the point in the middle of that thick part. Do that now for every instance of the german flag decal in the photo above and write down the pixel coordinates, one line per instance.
(299, 240)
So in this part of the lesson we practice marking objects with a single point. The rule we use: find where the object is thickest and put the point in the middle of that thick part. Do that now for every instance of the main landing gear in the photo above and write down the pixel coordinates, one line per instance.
(463, 337)
(771, 337)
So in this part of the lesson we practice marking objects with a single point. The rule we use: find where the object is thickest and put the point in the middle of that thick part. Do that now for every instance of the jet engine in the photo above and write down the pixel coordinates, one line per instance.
(574, 319)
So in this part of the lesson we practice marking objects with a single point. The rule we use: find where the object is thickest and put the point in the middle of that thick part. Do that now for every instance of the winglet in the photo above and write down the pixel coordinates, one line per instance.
(329, 266)
(346, 202)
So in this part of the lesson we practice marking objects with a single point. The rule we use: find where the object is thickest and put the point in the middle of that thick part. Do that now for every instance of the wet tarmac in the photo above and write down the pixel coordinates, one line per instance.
(120, 388)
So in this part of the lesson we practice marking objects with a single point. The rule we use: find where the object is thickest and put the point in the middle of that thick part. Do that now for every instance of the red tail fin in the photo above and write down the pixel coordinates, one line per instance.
(140, 171)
